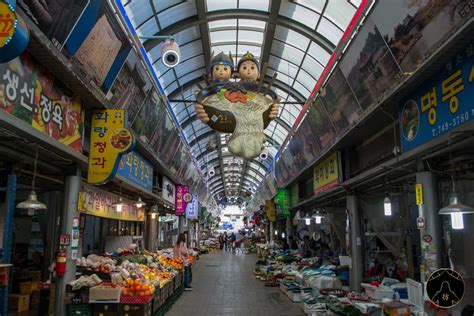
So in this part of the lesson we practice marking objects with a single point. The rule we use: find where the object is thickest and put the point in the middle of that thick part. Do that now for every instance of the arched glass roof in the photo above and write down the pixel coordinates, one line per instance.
(294, 38)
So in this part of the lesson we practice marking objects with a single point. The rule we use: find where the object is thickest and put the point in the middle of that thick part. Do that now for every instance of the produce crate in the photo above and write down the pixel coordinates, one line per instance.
(27, 287)
(157, 300)
(135, 309)
(79, 309)
(18, 302)
(106, 309)
(136, 299)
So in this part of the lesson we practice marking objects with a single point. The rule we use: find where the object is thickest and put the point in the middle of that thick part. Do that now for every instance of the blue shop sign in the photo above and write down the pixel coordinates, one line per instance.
(442, 104)
(137, 170)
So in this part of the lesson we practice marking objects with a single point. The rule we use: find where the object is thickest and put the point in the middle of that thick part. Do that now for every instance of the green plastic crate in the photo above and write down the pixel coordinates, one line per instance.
(79, 310)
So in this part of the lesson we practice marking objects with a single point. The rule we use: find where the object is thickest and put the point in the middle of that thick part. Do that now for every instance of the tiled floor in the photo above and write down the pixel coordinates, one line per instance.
(224, 284)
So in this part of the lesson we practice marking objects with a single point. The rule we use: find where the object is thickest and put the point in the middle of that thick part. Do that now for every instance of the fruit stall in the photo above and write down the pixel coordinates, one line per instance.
(127, 283)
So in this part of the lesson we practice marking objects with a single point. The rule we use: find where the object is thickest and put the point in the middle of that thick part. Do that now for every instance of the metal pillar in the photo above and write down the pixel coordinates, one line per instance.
(8, 237)
(71, 193)
(431, 252)
(152, 233)
(357, 259)
(272, 231)
(180, 224)
(289, 228)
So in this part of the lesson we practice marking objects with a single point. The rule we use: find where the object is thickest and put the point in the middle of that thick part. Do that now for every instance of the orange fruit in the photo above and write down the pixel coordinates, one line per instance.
(142, 293)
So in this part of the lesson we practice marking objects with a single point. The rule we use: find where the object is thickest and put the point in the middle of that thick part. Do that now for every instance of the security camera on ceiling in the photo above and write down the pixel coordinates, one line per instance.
(211, 172)
(170, 53)
(263, 155)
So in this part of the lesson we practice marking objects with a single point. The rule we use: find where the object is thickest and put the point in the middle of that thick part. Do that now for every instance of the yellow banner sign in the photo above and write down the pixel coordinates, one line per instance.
(8, 23)
(109, 140)
(419, 194)
(326, 174)
(270, 210)
(97, 202)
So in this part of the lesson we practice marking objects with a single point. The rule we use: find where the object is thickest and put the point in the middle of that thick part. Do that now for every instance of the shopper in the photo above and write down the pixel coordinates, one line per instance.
(225, 240)
(305, 247)
(221, 241)
(292, 243)
(232, 240)
(180, 252)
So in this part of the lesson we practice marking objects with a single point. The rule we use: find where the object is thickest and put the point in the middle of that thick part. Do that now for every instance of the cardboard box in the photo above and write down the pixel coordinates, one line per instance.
(105, 293)
(18, 302)
(35, 298)
(135, 309)
(106, 309)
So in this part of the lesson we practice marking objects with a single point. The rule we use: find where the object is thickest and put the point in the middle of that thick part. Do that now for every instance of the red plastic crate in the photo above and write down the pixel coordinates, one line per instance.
(136, 299)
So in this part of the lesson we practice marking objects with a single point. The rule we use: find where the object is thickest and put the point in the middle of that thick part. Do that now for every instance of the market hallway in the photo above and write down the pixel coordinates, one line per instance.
(224, 284)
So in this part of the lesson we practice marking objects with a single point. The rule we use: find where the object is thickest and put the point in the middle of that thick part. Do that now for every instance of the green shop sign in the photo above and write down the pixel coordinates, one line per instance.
(282, 200)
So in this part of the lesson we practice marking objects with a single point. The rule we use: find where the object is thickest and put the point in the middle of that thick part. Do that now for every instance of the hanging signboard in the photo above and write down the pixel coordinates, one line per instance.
(326, 174)
(192, 208)
(137, 170)
(32, 94)
(294, 197)
(14, 33)
(168, 191)
(97, 202)
(270, 210)
(109, 140)
(282, 200)
(441, 104)
(182, 199)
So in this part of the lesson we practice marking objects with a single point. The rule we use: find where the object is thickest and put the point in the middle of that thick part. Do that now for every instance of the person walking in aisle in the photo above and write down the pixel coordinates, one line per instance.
(180, 251)
(225, 240)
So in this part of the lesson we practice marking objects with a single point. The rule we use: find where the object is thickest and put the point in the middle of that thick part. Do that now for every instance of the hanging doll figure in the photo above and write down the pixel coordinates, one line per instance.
(221, 70)
(239, 108)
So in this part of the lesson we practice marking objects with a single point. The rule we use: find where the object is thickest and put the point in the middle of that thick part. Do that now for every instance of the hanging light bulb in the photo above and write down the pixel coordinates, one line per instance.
(282, 235)
(307, 221)
(318, 219)
(119, 204)
(276, 232)
(32, 202)
(153, 215)
(457, 221)
(387, 206)
(139, 203)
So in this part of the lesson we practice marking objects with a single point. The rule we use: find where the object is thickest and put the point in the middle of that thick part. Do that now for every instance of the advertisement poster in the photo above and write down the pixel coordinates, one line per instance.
(97, 46)
(182, 199)
(369, 66)
(340, 102)
(168, 191)
(147, 119)
(326, 174)
(130, 87)
(281, 173)
(440, 104)
(55, 18)
(192, 208)
(32, 94)
(165, 133)
(321, 125)
(109, 140)
(137, 170)
(304, 147)
(282, 199)
(97, 202)
(413, 29)
(270, 210)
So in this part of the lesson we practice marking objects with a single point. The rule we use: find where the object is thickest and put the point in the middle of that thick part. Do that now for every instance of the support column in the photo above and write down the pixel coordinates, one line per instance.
(8, 236)
(431, 253)
(180, 224)
(357, 259)
(289, 227)
(152, 234)
(272, 231)
(71, 193)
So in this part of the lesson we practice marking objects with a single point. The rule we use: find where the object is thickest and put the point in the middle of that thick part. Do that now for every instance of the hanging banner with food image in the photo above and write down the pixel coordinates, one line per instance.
(110, 139)
(244, 108)
(32, 94)
(14, 33)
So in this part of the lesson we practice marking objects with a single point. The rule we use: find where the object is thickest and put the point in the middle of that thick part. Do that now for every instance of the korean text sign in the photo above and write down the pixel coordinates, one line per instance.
(135, 168)
(192, 209)
(109, 140)
(282, 200)
(97, 202)
(270, 210)
(441, 104)
(33, 95)
(181, 192)
(326, 173)
(168, 192)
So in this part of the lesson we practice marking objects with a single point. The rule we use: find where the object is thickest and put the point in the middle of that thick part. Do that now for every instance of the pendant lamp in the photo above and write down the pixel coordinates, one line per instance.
(456, 208)
(32, 202)
(140, 203)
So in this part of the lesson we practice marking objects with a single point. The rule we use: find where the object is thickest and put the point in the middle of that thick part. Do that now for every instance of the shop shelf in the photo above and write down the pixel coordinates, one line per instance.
(79, 309)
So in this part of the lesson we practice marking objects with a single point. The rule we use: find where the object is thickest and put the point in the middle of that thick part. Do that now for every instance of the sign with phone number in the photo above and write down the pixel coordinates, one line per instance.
(135, 168)
(442, 104)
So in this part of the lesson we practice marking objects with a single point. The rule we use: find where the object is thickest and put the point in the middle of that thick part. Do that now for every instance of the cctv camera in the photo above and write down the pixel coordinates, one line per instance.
(211, 172)
(170, 53)
(263, 155)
